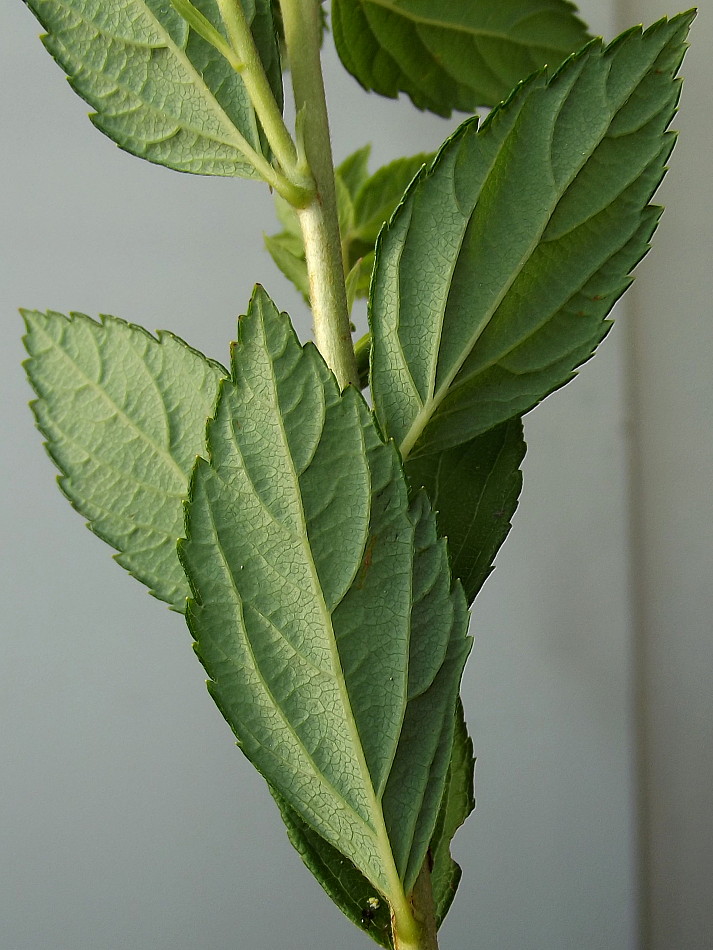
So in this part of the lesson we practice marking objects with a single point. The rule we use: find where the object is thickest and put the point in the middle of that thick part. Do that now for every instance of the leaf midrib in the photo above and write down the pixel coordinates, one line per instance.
(316, 772)
(378, 831)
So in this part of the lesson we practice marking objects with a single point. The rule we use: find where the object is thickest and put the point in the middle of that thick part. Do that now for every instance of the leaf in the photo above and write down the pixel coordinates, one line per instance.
(458, 802)
(377, 197)
(474, 490)
(494, 277)
(323, 611)
(124, 416)
(288, 252)
(447, 54)
(364, 204)
(159, 90)
(342, 881)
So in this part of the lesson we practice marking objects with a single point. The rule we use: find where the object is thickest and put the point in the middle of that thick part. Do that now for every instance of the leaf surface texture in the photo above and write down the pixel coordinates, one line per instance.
(324, 612)
(495, 276)
(474, 490)
(159, 90)
(124, 415)
(450, 54)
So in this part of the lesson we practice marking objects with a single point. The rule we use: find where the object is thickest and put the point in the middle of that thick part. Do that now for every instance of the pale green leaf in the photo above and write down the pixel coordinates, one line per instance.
(354, 170)
(450, 54)
(287, 251)
(124, 415)
(159, 89)
(458, 802)
(357, 283)
(323, 610)
(474, 490)
(495, 276)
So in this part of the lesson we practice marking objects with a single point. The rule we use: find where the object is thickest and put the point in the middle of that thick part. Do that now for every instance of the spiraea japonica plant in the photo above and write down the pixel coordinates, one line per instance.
(325, 547)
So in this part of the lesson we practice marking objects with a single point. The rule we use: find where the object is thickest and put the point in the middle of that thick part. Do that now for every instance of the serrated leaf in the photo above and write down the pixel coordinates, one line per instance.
(474, 490)
(159, 90)
(458, 802)
(124, 415)
(494, 278)
(447, 54)
(323, 612)
(350, 890)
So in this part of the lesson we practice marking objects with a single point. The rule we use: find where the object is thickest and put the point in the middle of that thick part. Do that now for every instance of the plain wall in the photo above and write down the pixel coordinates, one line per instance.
(129, 820)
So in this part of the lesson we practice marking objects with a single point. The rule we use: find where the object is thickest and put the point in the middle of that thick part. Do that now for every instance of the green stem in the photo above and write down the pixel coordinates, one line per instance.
(247, 62)
(421, 931)
(293, 184)
(318, 219)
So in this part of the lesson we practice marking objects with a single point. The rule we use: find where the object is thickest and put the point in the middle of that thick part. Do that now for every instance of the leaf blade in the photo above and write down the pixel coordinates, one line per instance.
(332, 653)
(160, 91)
(530, 240)
(474, 489)
(449, 55)
(105, 390)
(458, 802)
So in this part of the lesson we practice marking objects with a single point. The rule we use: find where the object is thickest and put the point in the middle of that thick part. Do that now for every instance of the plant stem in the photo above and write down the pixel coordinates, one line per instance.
(318, 219)
(252, 72)
(424, 936)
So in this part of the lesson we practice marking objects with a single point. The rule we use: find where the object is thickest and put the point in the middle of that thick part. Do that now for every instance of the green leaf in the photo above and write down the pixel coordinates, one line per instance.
(458, 802)
(124, 415)
(159, 89)
(494, 277)
(350, 890)
(450, 54)
(364, 204)
(288, 252)
(377, 197)
(341, 880)
(323, 612)
(474, 490)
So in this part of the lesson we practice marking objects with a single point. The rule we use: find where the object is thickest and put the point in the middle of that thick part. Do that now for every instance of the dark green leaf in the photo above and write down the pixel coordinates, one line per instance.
(348, 888)
(458, 802)
(124, 415)
(159, 89)
(494, 278)
(324, 612)
(451, 54)
(474, 489)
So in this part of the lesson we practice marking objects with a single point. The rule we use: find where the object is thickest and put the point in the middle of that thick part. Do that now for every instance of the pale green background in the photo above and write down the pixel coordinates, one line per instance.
(128, 820)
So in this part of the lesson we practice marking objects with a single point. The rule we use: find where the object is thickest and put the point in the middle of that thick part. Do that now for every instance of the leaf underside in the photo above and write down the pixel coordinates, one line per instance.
(124, 416)
(160, 91)
(446, 54)
(495, 276)
(303, 551)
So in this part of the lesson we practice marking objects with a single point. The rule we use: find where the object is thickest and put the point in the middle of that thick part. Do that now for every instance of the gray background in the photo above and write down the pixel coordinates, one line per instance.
(128, 820)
